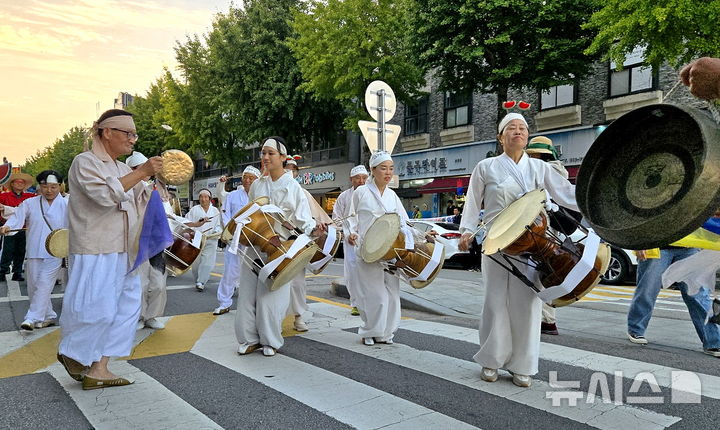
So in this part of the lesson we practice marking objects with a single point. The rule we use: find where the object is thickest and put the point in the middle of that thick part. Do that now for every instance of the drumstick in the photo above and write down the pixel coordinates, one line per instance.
(339, 220)
(17, 229)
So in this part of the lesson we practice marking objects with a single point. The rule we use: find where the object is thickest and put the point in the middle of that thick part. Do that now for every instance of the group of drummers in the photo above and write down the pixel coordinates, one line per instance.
(275, 231)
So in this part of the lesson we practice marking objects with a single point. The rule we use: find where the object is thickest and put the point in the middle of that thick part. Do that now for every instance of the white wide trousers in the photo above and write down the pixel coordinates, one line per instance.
(41, 276)
(378, 298)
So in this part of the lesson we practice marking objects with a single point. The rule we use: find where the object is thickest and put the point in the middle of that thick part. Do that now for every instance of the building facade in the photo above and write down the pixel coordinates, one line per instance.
(446, 134)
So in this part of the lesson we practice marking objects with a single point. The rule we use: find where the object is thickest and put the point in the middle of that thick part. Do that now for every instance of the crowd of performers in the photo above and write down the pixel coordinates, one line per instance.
(105, 303)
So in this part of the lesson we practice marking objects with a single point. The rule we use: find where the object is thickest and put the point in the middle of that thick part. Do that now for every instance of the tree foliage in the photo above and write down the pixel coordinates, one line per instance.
(150, 114)
(670, 30)
(343, 45)
(60, 155)
(494, 45)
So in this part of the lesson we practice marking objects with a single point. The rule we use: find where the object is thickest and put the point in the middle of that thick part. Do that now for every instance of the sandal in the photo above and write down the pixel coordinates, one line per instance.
(69, 363)
(90, 383)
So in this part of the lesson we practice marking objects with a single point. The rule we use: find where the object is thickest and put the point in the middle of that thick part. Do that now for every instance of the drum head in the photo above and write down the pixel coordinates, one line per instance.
(510, 224)
(296, 265)
(604, 256)
(58, 242)
(380, 237)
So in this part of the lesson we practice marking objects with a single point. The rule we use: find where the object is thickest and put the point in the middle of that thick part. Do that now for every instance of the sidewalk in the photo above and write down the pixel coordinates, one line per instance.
(464, 299)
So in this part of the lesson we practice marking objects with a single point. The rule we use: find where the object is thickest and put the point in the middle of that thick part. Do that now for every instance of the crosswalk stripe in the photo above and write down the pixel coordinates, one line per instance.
(575, 357)
(345, 400)
(596, 414)
(144, 404)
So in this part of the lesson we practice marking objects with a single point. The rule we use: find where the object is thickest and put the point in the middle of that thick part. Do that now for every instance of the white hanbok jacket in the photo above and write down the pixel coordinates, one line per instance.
(286, 194)
(38, 230)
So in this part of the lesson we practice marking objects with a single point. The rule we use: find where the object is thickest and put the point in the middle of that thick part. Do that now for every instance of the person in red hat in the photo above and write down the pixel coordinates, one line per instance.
(13, 249)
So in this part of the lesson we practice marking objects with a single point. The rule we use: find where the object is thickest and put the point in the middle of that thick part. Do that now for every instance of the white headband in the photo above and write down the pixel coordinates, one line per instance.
(358, 170)
(272, 143)
(204, 191)
(291, 161)
(51, 179)
(252, 171)
(379, 157)
(509, 117)
(136, 159)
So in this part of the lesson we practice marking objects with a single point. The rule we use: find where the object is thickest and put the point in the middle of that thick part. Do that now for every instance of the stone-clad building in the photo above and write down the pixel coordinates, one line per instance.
(445, 134)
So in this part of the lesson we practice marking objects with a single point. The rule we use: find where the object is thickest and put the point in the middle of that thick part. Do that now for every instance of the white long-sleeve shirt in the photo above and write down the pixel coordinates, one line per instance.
(37, 229)
(492, 184)
(286, 194)
(368, 205)
(342, 208)
(196, 213)
(234, 201)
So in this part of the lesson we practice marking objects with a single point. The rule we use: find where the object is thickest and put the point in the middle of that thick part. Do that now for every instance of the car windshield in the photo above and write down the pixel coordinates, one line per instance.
(448, 225)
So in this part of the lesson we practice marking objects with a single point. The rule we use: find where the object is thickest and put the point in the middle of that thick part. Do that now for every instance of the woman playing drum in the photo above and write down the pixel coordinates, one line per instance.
(261, 311)
(509, 327)
(378, 292)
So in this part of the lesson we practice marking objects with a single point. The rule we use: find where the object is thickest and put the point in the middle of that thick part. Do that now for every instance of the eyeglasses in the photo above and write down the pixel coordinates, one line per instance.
(130, 135)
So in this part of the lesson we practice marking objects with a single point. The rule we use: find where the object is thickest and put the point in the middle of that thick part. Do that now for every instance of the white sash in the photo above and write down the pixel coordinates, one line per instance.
(432, 264)
(327, 248)
(577, 274)
(299, 244)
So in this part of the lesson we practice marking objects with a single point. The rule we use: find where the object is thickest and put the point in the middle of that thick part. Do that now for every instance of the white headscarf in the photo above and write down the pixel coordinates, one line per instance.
(252, 171)
(275, 144)
(509, 117)
(136, 159)
(379, 157)
(358, 170)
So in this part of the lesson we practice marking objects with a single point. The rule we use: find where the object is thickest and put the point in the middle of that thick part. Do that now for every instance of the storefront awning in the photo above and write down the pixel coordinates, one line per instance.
(572, 173)
(445, 185)
(407, 193)
(323, 191)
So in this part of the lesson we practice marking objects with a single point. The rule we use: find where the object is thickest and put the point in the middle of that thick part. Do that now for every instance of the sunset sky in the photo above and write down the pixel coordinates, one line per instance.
(59, 58)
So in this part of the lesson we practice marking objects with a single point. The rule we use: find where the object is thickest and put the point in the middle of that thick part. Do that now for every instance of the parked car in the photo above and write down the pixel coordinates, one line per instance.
(622, 266)
(449, 236)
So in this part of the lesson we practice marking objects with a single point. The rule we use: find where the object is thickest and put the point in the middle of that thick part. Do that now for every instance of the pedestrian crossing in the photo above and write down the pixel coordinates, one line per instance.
(190, 376)
(669, 300)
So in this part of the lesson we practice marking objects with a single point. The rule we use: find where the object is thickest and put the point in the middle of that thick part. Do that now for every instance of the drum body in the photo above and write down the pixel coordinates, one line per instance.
(260, 231)
(384, 241)
(521, 230)
(332, 243)
(57, 243)
(183, 252)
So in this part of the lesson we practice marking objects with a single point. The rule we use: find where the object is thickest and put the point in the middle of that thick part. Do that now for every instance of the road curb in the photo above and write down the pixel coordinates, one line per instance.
(407, 301)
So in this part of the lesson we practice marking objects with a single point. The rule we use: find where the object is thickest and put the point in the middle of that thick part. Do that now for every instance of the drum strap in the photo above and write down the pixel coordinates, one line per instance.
(327, 248)
(577, 274)
(297, 245)
(42, 210)
(432, 264)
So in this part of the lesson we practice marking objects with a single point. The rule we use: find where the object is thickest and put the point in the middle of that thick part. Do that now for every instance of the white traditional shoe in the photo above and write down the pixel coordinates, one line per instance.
(199, 286)
(368, 341)
(521, 380)
(140, 325)
(27, 325)
(387, 341)
(247, 348)
(153, 323)
(300, 324)
(220, 310)
(46, 323)
(489, 375)
(268, 351)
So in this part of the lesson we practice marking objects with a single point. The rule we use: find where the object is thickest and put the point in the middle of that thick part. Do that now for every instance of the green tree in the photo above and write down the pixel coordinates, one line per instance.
(38, 162)
(491, 46)
(67, 147)
(670, 30)
(261, 80)
(343, 45)
(150, 115)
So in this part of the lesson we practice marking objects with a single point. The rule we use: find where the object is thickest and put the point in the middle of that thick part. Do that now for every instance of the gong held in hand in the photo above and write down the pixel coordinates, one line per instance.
(652, 177)
(178, 167)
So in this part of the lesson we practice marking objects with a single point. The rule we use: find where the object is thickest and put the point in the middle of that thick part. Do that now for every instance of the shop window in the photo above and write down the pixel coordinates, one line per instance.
(458, 108)
(634, 77)
(416, 117)
(558, 96)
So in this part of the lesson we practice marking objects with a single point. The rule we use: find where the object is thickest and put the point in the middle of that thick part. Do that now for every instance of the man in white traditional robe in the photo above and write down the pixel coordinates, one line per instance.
(205, 219)
(102, 300)
(341, 211)
(42, 214)
(234, 201)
